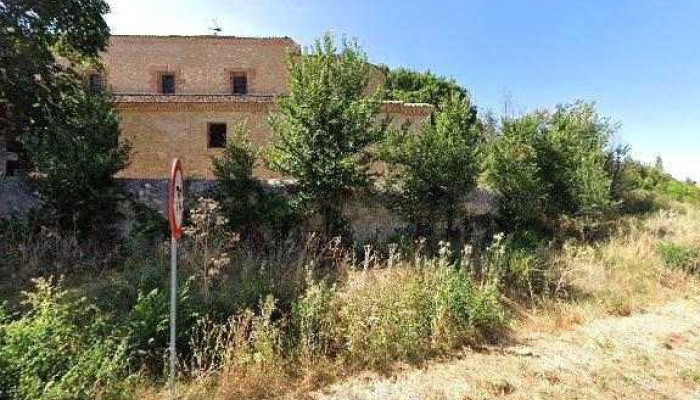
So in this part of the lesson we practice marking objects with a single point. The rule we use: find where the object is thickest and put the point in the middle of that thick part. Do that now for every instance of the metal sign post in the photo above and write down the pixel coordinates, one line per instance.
(175, 210)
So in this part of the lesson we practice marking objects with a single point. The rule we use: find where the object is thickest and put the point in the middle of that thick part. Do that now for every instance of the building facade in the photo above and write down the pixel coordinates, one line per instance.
(182, 96)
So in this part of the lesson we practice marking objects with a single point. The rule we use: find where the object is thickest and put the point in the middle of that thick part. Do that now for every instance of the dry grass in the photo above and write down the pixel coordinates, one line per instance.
(575, 343)
(620, 276)
(629, 329)
(646, 356)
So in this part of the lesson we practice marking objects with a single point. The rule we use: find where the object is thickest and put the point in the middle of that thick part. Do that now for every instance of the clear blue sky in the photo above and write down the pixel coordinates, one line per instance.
(639, 60)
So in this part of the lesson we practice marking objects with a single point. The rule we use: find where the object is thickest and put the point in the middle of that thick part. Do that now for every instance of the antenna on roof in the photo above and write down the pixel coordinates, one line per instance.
(214, 27)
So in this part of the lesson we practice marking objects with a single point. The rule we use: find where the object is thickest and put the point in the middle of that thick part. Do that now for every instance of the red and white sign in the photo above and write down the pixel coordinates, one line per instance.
(176, 199)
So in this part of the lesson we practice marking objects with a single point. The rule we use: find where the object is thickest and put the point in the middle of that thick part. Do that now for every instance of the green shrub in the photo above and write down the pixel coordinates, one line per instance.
(61, 349)
(430, 175)
(548, 164)
(148, 327)
(314, 318)
(462, 313)
(642, 188)
(250, 208)
(679, 256)
(409, 312)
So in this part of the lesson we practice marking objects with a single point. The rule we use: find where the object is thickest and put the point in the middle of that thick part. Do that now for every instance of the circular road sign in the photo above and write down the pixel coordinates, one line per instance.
(176, 199)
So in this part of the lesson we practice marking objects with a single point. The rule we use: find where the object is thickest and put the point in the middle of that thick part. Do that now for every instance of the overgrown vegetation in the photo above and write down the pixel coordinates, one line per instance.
(325, 127)
(71, 135)
(250, 207)
(545, 165)
(61, 348)
(266, 308)
(431, 174)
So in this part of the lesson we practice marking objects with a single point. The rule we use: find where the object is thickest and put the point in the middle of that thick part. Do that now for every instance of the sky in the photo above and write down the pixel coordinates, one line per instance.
(638, 60)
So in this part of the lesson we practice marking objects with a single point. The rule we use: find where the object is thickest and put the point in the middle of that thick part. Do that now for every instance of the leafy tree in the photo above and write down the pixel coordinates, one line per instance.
(32, 34)
(547, 164)
(325, 128)
(71, 136)
(248, 205)
(639, 187)
(78, 154)
(420, 87)
(433, 172)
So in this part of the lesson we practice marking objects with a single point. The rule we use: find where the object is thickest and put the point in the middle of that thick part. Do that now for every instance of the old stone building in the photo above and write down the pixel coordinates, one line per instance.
(180, 96)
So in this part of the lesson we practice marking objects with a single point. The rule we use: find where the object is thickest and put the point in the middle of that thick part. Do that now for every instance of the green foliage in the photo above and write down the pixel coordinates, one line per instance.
(148, 327)
(420, 87)
(315, 320)
(248, 205)
(430, 174)
(679, 256)
(325, 128)
(60, 349)
(639, 187)
(78, 155)
(548, 164)
(412, 312)
(32, 33)
(71, 136)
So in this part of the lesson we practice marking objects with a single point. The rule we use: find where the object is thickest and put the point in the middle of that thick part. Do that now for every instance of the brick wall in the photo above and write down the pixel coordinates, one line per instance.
(201, 64)
(160, 131)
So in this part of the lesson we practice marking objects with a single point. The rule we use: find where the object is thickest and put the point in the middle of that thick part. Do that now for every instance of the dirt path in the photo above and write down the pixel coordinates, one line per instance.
(651, 355)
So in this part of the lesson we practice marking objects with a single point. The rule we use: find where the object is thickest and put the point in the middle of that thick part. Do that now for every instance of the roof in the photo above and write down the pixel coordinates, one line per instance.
(190, 98)
(262, 39)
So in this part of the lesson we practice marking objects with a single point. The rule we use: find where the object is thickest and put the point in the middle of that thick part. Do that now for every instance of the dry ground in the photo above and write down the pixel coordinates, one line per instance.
(654, 354)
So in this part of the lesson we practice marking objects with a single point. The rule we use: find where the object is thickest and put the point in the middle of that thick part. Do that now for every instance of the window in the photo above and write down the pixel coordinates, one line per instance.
(217, 135)
(240, 84)
(167, 83)
(95, 82)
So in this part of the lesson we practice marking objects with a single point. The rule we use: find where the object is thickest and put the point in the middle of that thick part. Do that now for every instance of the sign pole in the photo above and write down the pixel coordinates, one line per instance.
(175, 210)
(173, 309)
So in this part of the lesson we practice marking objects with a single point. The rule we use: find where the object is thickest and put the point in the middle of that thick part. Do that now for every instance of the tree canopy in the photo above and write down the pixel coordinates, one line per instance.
(70, 134)
(549, 163)
(325, 127)
(420, 87)
(432, 173)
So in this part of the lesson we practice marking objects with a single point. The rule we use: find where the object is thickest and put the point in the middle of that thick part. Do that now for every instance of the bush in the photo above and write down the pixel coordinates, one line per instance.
(250, 208)
(315, 321)
(548, 164)
(148, 327)
(409, 312)
(61, 349)
(642, 188)
(431, 174)
(679, 256)
(78, 155)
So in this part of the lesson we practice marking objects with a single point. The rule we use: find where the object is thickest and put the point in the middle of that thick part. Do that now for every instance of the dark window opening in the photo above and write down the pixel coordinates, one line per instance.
(167, 84)
(240, 84)
(95, 82)
(217, 135)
